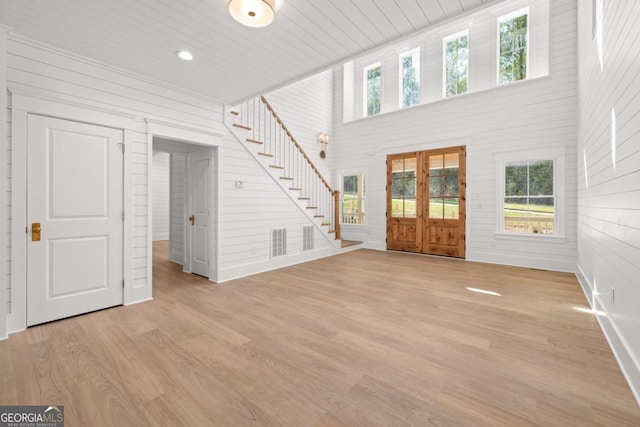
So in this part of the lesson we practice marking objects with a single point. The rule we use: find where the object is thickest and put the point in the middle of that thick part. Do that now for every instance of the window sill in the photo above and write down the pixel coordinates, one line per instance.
(530, 237)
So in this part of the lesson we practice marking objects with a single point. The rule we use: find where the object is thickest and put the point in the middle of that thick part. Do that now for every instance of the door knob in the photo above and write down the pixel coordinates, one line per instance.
(35, 232)
(192, 219)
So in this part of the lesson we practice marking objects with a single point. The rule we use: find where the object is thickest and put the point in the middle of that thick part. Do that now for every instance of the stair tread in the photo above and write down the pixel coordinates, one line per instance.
(324, 220)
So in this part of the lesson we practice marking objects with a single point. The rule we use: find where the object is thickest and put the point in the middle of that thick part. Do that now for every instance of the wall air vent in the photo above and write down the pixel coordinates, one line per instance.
(307, 238)
(278, 242)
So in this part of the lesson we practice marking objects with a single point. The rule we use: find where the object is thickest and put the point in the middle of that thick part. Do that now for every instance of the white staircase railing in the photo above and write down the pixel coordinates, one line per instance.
(277, 143)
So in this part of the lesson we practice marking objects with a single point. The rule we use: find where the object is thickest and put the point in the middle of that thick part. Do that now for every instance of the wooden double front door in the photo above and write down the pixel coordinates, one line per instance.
(426, 202)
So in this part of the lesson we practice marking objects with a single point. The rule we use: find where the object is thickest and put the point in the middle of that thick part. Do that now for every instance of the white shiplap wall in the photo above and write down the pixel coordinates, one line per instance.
(482, 71)
(178, 191)
(609, 176)
(160, 188)
(306, 108)
(5, 189)
(522, 116)
(47, 73)
(7, 230)
(248, 214)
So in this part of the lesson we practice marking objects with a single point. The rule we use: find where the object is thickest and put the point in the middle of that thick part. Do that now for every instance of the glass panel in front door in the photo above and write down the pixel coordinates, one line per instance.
(403, 191)
(444, 191)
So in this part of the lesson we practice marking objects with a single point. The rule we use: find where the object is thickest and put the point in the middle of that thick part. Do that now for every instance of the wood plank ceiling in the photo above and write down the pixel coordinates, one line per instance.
(232, 62)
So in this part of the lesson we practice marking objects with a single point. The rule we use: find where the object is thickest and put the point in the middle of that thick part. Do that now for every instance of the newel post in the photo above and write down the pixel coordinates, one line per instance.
(336, 212)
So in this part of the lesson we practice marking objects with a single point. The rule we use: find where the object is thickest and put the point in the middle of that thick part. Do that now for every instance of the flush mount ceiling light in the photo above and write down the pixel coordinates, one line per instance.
(252, 13)
(185, 55)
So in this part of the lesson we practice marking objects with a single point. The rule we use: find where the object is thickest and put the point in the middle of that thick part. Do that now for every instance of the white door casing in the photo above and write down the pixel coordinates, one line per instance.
(75, 192)
(199, 203)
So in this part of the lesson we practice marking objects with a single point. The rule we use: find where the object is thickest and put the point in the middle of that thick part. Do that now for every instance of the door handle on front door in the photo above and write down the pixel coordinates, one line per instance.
(35, 232)
(192, 219)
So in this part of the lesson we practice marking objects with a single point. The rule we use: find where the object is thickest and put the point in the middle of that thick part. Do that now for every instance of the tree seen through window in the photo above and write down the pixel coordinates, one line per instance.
(514, 45)
(529, 197)
(373, 76)
(410, 70)
(457, 65)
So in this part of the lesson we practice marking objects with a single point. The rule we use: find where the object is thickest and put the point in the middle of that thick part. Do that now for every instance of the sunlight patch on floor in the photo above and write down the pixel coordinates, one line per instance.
(483, 291)
(590, 311)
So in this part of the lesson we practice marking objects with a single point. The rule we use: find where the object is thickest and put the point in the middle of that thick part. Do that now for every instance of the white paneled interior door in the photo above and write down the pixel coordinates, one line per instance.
(200, 189)
(74, 180)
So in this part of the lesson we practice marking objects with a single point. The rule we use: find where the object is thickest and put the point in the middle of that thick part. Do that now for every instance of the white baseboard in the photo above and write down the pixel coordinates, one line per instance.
(542, 263)
(138, 301)
(501, 259)
(375, 245)
(630, 369)
(276, 263)
(177, 258)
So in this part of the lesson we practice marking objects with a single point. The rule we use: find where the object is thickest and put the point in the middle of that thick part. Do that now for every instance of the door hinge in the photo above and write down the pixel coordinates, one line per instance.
(121, 145)
(123, 216)
(122, 283)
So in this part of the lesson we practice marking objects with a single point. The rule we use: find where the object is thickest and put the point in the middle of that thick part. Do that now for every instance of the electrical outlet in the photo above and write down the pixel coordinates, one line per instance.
(613, 295)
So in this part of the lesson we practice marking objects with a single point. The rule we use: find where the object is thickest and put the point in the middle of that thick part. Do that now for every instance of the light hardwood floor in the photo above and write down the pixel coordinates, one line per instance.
(361, 339)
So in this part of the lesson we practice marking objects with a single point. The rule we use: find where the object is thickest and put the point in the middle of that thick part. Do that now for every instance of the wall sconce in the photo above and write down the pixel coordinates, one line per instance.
(323, 139)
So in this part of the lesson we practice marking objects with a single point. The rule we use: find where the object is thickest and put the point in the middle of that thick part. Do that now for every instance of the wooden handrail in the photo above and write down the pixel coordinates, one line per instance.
(319, 202)
(275, 115)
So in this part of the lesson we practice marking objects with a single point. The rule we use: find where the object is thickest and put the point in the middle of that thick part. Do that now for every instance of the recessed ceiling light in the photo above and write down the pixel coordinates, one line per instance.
(184, 55)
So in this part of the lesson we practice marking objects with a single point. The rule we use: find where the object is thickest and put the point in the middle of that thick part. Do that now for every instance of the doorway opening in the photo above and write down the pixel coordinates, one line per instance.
(183, 177)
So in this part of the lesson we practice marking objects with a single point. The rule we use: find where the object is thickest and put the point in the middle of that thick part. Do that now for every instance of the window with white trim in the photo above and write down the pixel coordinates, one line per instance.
(513, 46)
(410, 78)
(353, 199)
(529, 197)
(372, 89)
(531, 184)
(456, 64)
